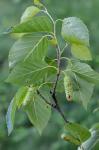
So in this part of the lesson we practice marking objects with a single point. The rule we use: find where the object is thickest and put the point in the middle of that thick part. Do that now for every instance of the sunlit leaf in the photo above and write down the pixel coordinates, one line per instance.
(29, 13)
(75, 31)
(38, 2)
(81, 52)
(70, 139)
(77, 131)
(36, 24)
(27, 97)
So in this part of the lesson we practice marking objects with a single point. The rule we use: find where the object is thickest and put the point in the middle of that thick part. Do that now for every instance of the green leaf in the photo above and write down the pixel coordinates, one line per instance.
(13, 107)
(29, 13)
(78, 132)
(25, 46)
(75, 31)
(38, 112)
(28, 94)
(32, 72)
(36, 24)
(70, 139)
(11, 115)
(84, 91)
(81, 52)
(84, 71)
(92, 141)
(34, 69)
(38, 3)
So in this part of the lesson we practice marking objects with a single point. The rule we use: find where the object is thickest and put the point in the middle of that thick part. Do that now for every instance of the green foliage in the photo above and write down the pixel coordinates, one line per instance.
(16, 102)
(75, 31)
(38, 112)
(83, 91)
(33, 65)
(76, 134)
(30, 72)
(85, 71)
(81, 52)
(29, 68)
(38, 3)
(71, 139)
(26, 46)
(29, 13)
(37, 24)
(93, 140)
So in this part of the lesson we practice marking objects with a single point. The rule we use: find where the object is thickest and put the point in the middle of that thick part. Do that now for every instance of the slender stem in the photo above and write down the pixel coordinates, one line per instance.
(62, 114)
(65, 58)
(43, 98)
(58, 20)
(64, 48)
(55, 105)
(58, 71)
(46, 11)
(58, 55)
(53, 93)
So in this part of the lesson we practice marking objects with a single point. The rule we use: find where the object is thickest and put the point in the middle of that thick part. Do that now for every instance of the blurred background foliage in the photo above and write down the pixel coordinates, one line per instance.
(24, 136)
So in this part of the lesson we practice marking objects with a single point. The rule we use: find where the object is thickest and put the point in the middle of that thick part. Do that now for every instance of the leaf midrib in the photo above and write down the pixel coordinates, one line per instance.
(38, 70)
(83, 74)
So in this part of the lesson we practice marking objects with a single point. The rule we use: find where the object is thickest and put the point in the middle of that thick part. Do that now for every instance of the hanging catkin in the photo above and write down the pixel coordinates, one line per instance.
(68, 87)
